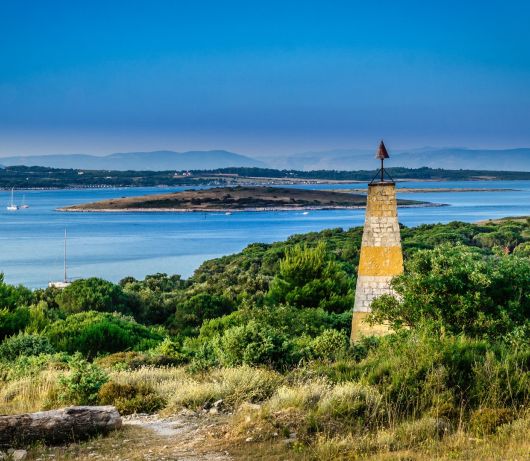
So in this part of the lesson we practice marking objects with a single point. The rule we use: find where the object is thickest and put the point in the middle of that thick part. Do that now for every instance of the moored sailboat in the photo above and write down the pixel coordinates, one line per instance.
(65, 282)
(12, 206)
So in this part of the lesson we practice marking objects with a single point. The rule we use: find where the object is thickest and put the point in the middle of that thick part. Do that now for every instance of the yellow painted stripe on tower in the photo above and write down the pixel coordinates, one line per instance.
(381, 261)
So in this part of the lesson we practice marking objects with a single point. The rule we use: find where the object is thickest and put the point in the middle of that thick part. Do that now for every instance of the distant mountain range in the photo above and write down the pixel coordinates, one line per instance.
(156, 161)
(453, 158)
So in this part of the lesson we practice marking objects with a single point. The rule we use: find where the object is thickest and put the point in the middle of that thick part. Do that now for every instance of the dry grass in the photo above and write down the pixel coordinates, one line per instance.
(29, 394)
(308, 419)
(180, 389)
(411, 442)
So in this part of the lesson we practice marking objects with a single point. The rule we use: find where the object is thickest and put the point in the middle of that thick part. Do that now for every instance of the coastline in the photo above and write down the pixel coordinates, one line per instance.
(293, 183)
(234, 210)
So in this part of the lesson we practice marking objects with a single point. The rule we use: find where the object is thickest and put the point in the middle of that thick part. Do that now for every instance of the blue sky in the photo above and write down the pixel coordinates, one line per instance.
(262, 77)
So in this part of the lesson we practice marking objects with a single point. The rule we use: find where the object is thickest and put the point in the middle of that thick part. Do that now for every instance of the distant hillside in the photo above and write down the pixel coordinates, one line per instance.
(36, 177)
(453, 158)
(153, 161)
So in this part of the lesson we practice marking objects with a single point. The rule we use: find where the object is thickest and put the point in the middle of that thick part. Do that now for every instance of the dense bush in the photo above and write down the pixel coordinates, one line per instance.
(24, 344)
(419, 372)
(93, 333)
(191, 313)
(308, 277)
(94, 294)
(485, 421)
(80, 386)
(460, 291)
(12, 296)
(253, 344)
(128, 398)
(13, 321)
(154, 298)
(279, 337)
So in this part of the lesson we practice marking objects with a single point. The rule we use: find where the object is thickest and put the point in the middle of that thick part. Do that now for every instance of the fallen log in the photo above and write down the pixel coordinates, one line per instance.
(58, 426)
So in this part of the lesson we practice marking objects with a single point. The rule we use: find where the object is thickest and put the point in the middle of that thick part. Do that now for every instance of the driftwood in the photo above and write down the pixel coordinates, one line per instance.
(57, 426)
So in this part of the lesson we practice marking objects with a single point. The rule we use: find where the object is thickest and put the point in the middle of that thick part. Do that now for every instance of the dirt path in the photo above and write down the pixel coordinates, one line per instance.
(183, 437)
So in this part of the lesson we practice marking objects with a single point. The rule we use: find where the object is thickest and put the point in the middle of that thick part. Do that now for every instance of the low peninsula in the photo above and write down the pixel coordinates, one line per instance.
(224, 199)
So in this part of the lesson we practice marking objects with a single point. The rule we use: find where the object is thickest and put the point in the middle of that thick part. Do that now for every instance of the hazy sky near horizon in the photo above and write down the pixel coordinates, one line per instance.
(265, 77)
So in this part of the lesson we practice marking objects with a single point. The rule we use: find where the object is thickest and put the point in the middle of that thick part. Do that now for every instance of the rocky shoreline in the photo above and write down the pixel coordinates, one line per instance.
(232, 210)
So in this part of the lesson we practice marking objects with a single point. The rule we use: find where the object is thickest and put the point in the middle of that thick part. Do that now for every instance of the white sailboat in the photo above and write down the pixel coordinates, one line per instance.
(24, 205)
(62, 283)
(12, 206)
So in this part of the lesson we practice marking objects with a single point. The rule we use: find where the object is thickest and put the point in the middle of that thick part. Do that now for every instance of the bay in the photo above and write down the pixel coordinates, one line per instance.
(115, 245)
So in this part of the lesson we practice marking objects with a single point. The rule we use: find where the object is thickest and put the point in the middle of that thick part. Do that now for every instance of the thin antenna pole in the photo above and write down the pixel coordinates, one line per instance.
(65, 279)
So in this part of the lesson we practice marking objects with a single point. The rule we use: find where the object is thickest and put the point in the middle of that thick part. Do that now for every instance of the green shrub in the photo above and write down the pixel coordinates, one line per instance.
(311, 277)
(419, 373)
(460, 291)
(190, 314)
(93, 294)
(12, 296)
(93, 333)
(128, 398)
(329, 345)
(24, 344)
(80, 386)
(485, 421)
(132, 360)
(168, 349)
(13, 321)
(25, 366)
(357, 405)
(253, 344)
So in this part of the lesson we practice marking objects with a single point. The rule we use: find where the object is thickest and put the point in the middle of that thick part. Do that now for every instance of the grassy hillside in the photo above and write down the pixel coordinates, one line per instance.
(265, 332)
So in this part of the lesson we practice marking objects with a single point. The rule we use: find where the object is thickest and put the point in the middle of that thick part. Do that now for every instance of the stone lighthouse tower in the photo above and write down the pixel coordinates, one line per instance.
(381, 256)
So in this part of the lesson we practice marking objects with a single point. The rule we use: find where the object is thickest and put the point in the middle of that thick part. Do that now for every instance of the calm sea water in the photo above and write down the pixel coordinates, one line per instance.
(114, 245)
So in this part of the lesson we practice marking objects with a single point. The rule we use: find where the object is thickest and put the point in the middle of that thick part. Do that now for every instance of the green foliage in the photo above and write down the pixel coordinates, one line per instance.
(93, 294)
(330, 345)
(422, 373)
(13, 321)
(485, 421)
(93, 333)
(24, 344)
(80, 386)
(460, 291)
(24, 366)
(278, 336)
(12, 296)
(191, 314)
(156, 296)
(128, 398)
(253, 344)
(309, 278)
(522, 250)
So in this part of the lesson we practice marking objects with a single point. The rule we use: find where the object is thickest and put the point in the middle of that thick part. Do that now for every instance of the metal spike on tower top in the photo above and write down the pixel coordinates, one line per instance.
(382, 153)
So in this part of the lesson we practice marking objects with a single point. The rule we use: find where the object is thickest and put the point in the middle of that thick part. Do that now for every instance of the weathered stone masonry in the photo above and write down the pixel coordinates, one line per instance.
(381, 256)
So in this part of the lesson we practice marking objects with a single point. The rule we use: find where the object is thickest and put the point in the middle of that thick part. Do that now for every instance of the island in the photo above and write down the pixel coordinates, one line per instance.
(224, 199)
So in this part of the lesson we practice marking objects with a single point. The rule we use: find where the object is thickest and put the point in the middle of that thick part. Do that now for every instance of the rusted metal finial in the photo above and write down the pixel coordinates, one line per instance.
(382, 153)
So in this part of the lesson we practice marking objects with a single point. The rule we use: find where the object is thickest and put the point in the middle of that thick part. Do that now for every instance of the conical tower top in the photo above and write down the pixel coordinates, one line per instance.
(382, 153)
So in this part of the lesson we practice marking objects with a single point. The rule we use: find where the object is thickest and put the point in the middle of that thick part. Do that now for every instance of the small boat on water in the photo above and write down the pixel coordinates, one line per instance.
(12, 206)
(24, 205)
(305, 213)
(65, 282)
(228, 213)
